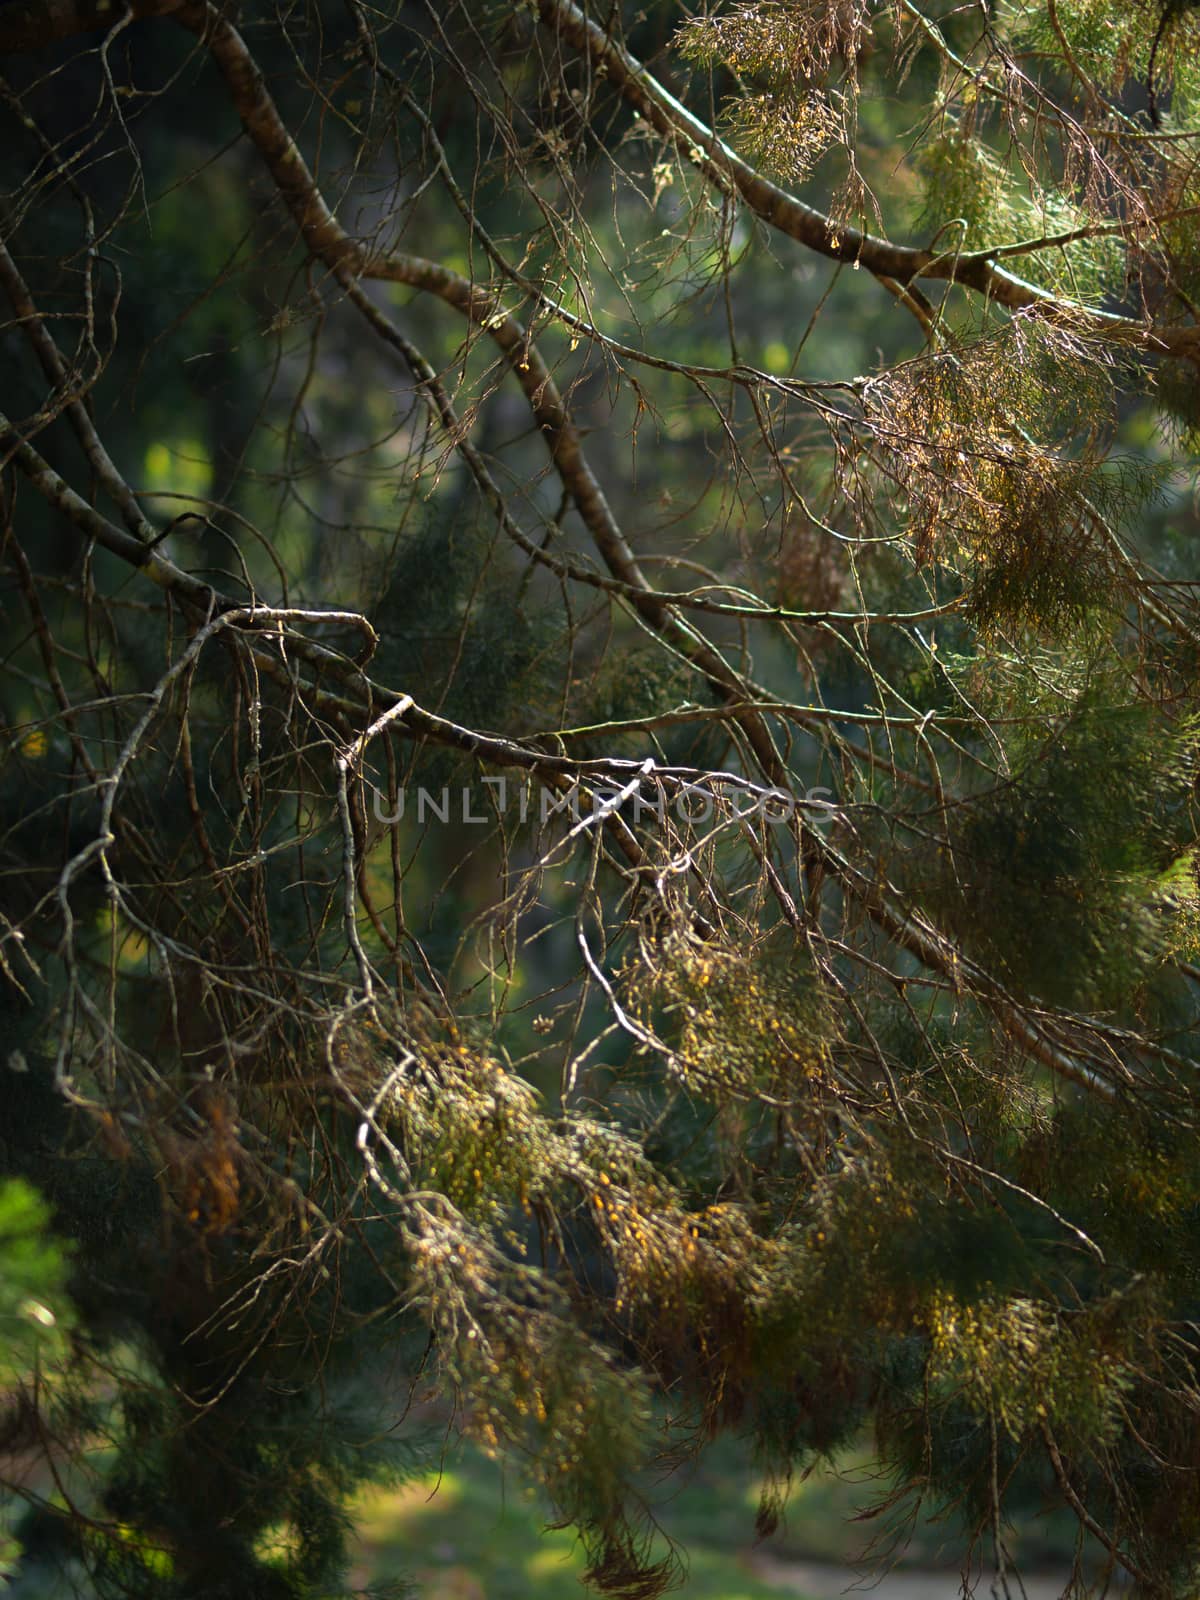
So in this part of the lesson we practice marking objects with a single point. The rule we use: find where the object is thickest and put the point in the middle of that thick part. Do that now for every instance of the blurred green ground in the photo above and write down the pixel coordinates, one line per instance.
(475, 1533)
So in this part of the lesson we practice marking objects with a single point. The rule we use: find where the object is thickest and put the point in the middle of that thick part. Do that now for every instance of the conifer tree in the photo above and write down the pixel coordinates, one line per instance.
(599, 713)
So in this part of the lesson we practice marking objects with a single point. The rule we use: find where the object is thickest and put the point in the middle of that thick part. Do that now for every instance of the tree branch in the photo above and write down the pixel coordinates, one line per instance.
(726, 171)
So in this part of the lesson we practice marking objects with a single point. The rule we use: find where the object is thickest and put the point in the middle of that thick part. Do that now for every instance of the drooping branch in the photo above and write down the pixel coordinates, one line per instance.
(725, 170)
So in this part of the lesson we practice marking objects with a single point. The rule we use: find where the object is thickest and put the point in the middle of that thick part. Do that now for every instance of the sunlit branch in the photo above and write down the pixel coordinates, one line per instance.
(839, 241)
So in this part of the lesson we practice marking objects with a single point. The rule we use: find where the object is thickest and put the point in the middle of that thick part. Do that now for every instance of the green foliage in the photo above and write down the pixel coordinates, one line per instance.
(35, 1313)
(741, 1022)
(965, 191)
(1178, 394)
(1113, 45)
(1052, 877)
(286, 1539)
(445, 623)
(971, 200)
(785, 128)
